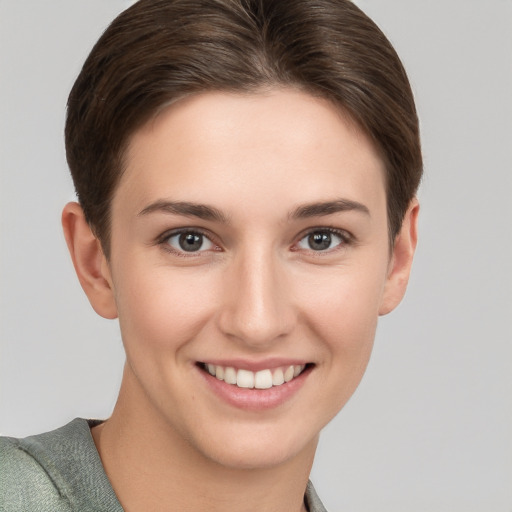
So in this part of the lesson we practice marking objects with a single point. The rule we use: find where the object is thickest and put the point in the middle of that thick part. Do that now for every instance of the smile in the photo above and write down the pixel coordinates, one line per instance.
(262, 379)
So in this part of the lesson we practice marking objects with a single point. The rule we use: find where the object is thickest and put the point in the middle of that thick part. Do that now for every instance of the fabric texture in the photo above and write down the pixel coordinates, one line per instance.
(61, 471)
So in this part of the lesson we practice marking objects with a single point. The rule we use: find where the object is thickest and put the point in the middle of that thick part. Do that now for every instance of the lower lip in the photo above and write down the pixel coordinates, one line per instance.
(255, 399)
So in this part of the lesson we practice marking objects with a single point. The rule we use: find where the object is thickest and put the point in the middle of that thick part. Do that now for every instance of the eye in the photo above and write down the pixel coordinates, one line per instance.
(322, 240)
(189, 241)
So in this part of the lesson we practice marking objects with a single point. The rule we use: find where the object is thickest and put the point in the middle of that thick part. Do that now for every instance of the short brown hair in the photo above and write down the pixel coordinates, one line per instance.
(160, 50)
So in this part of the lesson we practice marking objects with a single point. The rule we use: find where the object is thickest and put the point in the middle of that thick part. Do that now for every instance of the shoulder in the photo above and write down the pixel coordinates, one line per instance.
(24, 483)
(35, 473)
(312, 500)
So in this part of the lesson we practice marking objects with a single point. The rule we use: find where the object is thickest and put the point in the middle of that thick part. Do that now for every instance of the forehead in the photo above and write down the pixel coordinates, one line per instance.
(282, 144)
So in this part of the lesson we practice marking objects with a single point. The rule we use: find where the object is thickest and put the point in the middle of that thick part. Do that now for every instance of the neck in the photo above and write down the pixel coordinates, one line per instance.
(152, 467)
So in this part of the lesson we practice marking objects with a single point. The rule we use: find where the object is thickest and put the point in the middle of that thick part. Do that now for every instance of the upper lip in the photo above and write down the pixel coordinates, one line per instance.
(253, 365)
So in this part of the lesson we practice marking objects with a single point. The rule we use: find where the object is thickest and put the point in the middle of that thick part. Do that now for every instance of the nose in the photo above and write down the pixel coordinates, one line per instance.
(258, 305)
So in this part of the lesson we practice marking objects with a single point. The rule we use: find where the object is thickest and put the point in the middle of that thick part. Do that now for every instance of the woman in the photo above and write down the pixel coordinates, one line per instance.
(246, 174)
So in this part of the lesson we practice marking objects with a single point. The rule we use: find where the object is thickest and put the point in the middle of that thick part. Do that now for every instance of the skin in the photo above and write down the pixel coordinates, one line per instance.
(256, 291)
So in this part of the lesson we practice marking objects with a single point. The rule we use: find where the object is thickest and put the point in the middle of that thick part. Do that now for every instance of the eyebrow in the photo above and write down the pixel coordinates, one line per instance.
(328, 208)
(205, 212)
(186, 209)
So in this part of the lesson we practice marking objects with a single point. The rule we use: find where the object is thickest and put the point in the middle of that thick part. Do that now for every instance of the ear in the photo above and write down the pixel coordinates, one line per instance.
(90, 263)
(401, 260)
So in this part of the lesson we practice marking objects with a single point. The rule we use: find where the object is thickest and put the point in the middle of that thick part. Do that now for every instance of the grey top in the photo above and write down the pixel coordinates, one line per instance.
(61, 471)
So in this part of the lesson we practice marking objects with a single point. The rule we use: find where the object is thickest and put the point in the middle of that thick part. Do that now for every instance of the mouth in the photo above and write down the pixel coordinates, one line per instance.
(261, 379)
(255, 386)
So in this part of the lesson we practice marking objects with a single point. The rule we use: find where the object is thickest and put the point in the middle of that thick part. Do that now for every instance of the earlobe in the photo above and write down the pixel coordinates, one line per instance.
(90, 263)
(401, 260)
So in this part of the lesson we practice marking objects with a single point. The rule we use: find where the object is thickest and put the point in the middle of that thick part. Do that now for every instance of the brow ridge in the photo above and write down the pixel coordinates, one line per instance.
(205, 212)
(328, 208)
(187, 209)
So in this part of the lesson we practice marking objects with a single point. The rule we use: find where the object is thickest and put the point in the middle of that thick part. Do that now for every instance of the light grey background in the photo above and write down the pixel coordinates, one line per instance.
(430, 428)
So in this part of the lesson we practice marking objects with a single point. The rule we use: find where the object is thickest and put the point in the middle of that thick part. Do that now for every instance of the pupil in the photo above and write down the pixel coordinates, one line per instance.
(319, 241)
(191, 242)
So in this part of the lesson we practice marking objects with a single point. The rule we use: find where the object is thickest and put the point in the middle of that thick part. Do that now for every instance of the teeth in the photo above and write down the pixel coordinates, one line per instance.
(230, 375)
(278, 377)
(245, 379)
(219, 373)
(289, 373)
(263, 379)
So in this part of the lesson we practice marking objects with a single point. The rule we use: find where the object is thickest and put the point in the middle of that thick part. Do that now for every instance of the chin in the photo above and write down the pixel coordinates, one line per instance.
(257, 448)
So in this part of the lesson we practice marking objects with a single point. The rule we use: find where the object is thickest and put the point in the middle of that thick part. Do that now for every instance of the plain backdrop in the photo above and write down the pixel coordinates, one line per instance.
(430, 427)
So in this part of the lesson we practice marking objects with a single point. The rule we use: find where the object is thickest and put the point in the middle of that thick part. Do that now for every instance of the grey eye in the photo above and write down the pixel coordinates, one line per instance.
(189, 242)
(320, 241)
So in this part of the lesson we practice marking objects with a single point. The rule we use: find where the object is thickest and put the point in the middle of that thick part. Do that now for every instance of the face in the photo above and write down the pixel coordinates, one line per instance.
(249, 248)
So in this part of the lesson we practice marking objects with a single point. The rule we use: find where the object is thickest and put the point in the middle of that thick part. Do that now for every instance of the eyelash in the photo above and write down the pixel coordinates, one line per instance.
(345, 237)
(163, 241)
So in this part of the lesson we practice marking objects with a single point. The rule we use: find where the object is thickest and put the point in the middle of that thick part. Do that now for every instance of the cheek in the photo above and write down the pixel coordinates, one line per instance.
(343, 305)
(347, 328)
(344, 322)
(342, 314)
(160, 309)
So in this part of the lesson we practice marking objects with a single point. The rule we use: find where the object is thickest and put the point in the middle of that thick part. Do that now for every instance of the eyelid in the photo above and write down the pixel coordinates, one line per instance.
(164, 237)
(346, 237)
